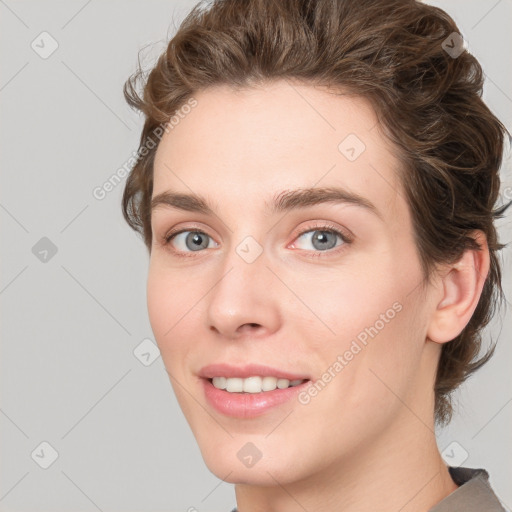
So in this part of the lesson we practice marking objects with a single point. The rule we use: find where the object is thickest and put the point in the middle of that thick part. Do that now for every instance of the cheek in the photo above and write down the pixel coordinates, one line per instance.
(170, 300)
(354, 301)
(370, 361)
(371, 311)
(159, 301)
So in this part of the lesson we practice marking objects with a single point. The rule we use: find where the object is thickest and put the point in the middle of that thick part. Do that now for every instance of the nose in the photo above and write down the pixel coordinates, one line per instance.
(244, 300)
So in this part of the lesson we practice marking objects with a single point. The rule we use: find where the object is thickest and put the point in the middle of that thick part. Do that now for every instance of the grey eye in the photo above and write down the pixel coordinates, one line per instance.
(191, 241)
(321, 240)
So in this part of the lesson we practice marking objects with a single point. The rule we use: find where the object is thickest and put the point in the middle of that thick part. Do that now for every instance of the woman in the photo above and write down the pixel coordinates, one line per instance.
(319, 215)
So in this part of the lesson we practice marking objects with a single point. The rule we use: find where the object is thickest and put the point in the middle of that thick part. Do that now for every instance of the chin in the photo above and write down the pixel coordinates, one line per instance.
(239, 460)
(259, 474)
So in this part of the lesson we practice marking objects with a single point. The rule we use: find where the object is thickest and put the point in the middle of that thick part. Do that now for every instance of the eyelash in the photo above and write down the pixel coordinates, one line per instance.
(346, 239)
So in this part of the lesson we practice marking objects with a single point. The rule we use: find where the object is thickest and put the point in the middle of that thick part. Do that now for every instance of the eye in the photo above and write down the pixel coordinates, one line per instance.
(321, 238)
(189, 241)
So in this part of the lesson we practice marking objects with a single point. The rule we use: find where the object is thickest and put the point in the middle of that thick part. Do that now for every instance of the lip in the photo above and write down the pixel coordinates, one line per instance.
(249, 370)
(248, 405)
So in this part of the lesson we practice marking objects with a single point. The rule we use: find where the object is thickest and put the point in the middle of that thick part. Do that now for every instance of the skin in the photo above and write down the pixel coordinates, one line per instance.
(366, 441)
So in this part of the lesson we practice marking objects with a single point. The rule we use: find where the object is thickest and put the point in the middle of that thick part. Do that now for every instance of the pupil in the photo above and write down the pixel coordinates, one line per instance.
(197, 240)
(322, 238)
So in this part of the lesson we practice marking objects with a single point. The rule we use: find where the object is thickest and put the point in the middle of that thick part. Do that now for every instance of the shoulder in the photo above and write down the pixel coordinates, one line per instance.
(474, 493)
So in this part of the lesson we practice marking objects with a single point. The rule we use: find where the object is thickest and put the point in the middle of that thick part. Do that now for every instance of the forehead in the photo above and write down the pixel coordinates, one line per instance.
(280, 136)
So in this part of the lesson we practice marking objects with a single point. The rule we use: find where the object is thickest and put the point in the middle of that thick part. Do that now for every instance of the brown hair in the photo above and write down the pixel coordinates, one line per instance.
(395, 54)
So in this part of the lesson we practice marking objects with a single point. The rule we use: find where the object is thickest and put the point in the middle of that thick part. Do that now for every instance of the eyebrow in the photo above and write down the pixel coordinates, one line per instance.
(284, 201)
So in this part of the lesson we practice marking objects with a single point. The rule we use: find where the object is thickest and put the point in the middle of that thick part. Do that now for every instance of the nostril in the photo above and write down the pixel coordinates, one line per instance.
(250, 325)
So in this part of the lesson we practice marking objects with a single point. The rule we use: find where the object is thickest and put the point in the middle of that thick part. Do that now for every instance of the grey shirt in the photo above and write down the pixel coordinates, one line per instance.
(474, 494)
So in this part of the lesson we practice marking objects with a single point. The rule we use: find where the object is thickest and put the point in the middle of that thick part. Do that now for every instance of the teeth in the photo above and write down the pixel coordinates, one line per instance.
(253, 384)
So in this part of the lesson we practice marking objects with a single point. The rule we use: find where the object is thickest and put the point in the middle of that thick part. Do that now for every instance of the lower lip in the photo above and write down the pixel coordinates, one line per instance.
(248, 405)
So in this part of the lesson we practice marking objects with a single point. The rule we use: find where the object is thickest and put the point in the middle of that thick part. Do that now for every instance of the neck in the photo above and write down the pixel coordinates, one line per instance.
(401, 471)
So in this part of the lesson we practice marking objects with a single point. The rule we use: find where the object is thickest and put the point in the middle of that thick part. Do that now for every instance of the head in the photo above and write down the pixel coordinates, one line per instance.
(251, 104)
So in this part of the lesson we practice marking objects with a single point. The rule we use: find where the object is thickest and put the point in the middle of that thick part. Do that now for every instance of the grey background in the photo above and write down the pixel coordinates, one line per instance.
(70, 324)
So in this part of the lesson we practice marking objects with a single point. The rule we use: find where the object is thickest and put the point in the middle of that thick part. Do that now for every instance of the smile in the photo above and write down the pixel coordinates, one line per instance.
(249, 404)
(253, 384)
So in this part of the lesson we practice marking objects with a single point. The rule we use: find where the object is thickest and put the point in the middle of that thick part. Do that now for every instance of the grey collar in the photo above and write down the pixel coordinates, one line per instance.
(473, 495)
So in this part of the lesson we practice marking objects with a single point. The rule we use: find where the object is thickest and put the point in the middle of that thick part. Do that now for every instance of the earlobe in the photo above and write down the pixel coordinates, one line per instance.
(462, 285)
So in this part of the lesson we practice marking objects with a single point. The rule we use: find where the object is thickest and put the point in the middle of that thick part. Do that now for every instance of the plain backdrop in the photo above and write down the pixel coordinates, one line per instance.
(76, 395)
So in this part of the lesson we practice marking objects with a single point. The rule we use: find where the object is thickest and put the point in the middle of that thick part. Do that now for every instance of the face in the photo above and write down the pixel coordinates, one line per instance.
(319, 287)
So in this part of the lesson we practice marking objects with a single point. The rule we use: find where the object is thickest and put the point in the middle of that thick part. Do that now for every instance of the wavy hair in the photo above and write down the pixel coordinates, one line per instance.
(396, 54)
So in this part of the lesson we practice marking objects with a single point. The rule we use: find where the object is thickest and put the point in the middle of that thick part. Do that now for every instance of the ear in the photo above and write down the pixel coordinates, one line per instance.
(462, 285)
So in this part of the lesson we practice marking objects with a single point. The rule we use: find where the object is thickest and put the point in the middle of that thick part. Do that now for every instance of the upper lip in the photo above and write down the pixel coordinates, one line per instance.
(249, 370)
